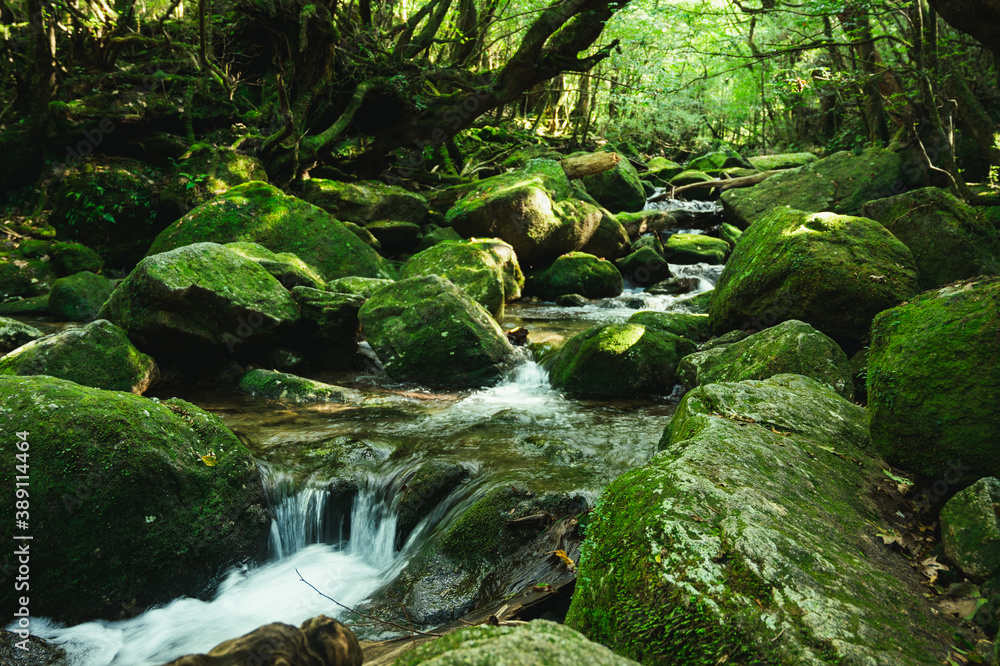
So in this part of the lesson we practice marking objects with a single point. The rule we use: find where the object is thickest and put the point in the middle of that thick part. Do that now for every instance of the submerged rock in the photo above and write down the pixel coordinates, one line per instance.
(576, 273)
(79, 297)
(260, 213)
(537, 643)
(98, 355)
(162, 491)
(425, 329)
(933, 385)
(833, 272)
(749, 539)
(619, 359)
(291, 388)
(970, 528)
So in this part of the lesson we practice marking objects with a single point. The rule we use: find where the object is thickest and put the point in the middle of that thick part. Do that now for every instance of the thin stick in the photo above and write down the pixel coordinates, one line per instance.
(370, 617)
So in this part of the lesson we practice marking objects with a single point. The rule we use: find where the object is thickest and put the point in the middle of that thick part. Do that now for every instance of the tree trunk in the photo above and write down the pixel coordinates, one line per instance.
(857, 25)
(589, 164)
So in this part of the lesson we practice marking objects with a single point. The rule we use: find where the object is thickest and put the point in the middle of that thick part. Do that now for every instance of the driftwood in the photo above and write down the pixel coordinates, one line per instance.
(649, 223)
(589, 164)
(723, 184)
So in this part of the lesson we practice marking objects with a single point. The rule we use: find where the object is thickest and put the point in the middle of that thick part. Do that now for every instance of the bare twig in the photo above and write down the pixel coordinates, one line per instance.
(364, 615)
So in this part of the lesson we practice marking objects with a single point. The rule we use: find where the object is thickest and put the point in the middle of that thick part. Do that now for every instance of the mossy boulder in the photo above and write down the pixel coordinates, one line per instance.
(329, 329)
(576, 273)
(660, 170)
(291, 388)
(536, 210)
(782, 161)
(199, 300)
(729, 233)
(425, 329)
(207, 171)
(365, 201)
(286, 267)
(161, 491)
(111, 204)
(610, 240)
(934, 381)
(79, 297)
(834, 272)
(948, 240)
(695, 249)
(34, 306)
(748, 539)
(694, 327)
(690, 177)
(699, 303)
(260, 213)
(718, 157)
(98, 355)
(791, 347)
(25, 270)
(617, 189)
(426, 488)
(485, 269)
(970, 528)
(14, 333)
(433, 235)
(644, 267)
(359, 286)
(537, 643)
(394, 237)
(841, 183)
(70, 258)
(619, 359)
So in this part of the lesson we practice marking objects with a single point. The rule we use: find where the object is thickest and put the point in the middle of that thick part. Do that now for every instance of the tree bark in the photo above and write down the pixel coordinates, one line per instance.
(589, 164)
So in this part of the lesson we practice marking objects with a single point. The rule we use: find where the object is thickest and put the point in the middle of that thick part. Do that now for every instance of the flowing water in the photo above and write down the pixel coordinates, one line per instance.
(518, 431)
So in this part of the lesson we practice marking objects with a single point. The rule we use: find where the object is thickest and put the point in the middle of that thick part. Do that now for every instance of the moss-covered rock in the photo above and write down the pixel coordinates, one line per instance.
(729, 233)
(536, 210)
(610, 240)
(199, 299)
(25, 270)
(947, 239)
(111, 204)
(206, 172)
(782, 161)
(98, 355)
(619, 359)
(576, 273)
(359, 286)
(394, 237)
(34, 306)
(718, 157)
(434, 234)
(841, 183)
(690, 177)
(79, 297)
(695, 249)
(748, 539)
(694, 327)
(934, 381)
(329, 329)
(291, 388)
(14, 333)
(617, 189)
(699, 303)
(538, 643)
(970, 528)
(365, 236)
(425, 489)
(260, 213)
(286, 267)
(660, 170)
(833, 272)
(365, 201)
(150, 500)
(485, 269)
(425, 329)
(644, 267)
(70, 258)
(791, 347)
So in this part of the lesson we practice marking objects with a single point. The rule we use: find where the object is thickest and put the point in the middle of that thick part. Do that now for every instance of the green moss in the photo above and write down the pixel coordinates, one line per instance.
(782, 161)
(577, 273)
(287, 268)
(617, 189)
(694, 327)
(366, 201)
(70, 258)
(290, 388)
(694, 249)
(79, 297)
(206, 172)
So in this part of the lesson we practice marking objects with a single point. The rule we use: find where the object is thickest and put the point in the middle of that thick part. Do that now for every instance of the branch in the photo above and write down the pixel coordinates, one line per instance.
(365, 615)
(326, 136)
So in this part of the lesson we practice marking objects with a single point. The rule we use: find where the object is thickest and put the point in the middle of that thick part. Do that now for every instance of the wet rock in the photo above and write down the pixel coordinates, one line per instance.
(200, 299)
(947, 239)
(791, 347)
(782, 161)
(619, 359)
(674, 286)
(970, 528)
(617, 189)
(70, 258)
(695, 249)
(932, 382)
(290, 388)
(485, 269)
(833, 272)
(753, 524)
(651, 241)
(206, 172)
(698, 303)
(320, 641)
(538, 643)
(285, 267)
(260, 213)
(33, 651)
(424, 492)
(79, 297)
(610, 240)
(98, 355)
(14, 333)
(161, 490)
(858, 365)
(694, 327)
(425, 329)
(572, 301)
(644, 267)
(576, 273)
(536, 210)
(365, 201)
(841, 183)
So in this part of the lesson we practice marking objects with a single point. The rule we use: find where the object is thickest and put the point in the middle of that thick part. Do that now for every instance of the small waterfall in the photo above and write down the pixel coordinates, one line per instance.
(300, 515)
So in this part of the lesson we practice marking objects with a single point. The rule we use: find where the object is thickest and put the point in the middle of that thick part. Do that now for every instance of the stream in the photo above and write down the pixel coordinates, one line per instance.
(517, 431)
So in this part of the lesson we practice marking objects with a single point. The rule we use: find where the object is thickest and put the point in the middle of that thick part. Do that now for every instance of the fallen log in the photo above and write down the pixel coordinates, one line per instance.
(655, 221)
(589, 164)
(723, 184)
